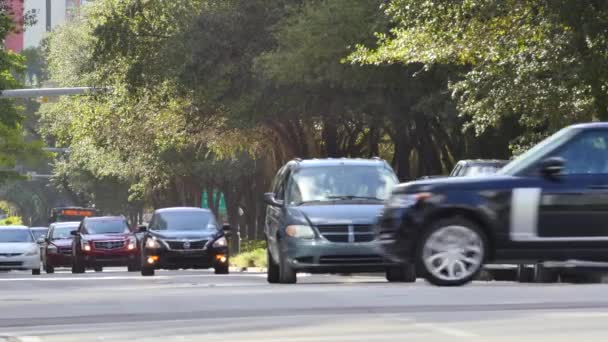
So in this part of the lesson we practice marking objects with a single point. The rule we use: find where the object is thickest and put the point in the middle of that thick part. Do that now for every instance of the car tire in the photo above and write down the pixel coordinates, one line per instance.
(287, 275)
(272, 274)
(49, 269)
(36, 271)
(544, 275)
(147, 271)
(405, 273)
(133, 268)
(77, 266)
(525, 274)
(98, 269)
(474, 244)
(221, 269)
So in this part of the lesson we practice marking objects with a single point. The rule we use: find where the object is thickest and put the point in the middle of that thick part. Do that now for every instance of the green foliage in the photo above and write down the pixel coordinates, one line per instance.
(253, 258)
(11, 221)
(542, 63)
(250, 245)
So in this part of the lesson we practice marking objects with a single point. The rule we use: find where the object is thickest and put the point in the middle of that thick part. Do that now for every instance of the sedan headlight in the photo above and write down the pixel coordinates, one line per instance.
(221, 242)
(406, 200)
(152, 243)
(32, 252)
(300, 231)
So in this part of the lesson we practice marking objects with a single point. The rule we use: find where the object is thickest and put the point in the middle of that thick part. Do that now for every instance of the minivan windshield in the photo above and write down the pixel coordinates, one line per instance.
(107, 227)
(63, 232)
(184, 221)
(340, 182)
(15, 235)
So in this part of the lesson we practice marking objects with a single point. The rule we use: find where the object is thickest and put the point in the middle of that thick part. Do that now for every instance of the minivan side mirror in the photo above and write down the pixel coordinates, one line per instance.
(41, 240)
(270, 199)
(552, 166)
(74, 232)
(142, 228)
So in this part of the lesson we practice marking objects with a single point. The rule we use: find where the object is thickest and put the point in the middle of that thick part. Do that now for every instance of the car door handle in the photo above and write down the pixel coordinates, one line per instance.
(599, 187)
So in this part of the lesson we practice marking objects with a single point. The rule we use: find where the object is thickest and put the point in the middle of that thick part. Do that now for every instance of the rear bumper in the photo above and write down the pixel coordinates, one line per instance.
(320, 256)
(21, 262)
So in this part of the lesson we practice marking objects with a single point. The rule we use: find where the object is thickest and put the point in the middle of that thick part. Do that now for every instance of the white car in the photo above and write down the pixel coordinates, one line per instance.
(18, 249)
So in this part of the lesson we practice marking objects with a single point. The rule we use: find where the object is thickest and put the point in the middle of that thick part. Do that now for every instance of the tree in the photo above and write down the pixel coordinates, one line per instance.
(539, 63)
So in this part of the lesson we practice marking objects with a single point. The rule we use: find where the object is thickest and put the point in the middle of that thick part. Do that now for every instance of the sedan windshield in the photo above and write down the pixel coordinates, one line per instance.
(107, 227)
(184, 220)
(330, 183)
(38, 233)
(63, 232)
(15, 235)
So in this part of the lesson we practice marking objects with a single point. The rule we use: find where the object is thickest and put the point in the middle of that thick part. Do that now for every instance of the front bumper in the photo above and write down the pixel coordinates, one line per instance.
(122, 257)
(58, 259)
(396, 233)
(20, 262)
(321, 256)
(187, 259)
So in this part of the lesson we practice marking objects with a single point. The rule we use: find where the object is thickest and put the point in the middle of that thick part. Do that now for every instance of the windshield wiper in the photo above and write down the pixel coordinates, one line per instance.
(353, 197)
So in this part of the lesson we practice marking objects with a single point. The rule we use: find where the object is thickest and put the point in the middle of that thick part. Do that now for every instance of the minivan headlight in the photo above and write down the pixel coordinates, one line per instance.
(300, 231)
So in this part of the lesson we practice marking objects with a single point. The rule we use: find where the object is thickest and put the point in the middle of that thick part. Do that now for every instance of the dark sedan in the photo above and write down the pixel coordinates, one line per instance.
(182, 238)
(57, 248)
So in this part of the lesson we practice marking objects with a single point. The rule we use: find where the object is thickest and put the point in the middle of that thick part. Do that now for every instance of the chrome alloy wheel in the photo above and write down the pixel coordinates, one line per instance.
(453, 253)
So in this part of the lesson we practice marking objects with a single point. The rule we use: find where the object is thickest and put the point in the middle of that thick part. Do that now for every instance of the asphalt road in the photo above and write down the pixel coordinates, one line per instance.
(199, 306)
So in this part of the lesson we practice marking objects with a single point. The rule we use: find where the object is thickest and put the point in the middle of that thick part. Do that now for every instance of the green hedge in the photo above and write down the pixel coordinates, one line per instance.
(252, 258)
(11, 221)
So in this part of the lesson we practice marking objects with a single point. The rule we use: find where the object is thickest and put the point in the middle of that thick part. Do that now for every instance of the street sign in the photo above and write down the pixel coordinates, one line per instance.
(222, 203)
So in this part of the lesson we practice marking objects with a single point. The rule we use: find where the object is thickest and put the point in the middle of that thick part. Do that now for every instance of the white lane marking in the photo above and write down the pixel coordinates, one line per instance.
(578, 314)
(28, 338)
(453, 332)
(83, 278)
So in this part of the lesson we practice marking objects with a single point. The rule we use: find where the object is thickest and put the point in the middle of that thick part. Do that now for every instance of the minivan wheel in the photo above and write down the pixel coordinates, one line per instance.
(98, 269)
(272, 274)
(36, 271)
(222, 269)
(287, 275)
(77, 266)
(49, 269)
(451, 252)
(405, 273)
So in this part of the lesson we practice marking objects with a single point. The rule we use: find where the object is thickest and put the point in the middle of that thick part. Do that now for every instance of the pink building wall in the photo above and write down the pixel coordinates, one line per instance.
(14, 41)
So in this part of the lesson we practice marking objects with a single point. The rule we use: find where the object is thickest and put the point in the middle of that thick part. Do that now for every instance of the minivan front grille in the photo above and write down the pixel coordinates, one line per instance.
(109, 244)
(347, 233)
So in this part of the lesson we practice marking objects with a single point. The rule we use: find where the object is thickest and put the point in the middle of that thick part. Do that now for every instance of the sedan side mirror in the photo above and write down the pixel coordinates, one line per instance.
(552, 167)
(41, 240)
(142, 228)
(74, 233)
(270, 199)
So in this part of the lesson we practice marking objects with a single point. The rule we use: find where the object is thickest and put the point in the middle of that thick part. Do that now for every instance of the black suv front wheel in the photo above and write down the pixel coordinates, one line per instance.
(451, 252)
(404, 273)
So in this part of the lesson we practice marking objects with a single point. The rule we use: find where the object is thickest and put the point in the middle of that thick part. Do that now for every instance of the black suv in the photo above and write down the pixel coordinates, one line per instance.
(550, 204)
(183, 238)
(320, 219)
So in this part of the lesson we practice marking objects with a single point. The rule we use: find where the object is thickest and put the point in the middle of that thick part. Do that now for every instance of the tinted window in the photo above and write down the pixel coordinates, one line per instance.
(15, 235)
(587, 153)
(340, 182)
(106, 227)
(184, 220)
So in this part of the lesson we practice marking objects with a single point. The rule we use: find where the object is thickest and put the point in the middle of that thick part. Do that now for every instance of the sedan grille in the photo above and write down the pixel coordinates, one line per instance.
(186, 245)
(347, 233)
(9, 254)
(109, 244)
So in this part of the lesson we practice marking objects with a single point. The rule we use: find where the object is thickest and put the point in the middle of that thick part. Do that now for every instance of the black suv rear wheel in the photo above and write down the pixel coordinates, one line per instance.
(451, 252)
